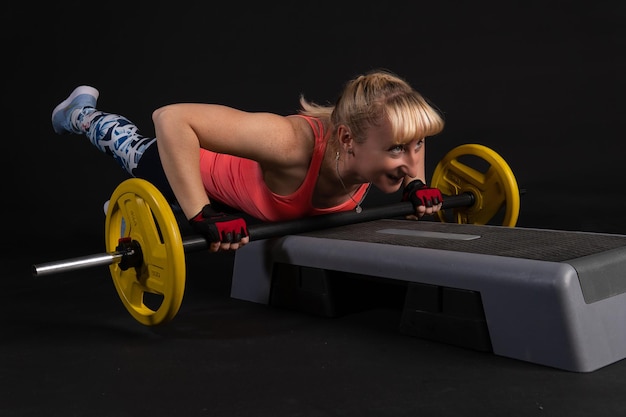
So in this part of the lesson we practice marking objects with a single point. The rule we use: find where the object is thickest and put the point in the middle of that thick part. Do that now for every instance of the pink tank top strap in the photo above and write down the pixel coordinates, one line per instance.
(316, 124)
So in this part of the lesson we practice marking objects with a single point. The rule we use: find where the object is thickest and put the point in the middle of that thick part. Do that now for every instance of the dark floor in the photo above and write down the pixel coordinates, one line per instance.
(69, 348)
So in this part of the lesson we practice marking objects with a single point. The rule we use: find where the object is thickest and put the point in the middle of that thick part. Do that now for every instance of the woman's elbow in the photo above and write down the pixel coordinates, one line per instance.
(163, 114)
(168, 119)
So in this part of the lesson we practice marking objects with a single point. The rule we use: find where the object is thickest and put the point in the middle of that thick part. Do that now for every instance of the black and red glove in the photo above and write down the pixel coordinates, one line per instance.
(421, 194)
(216, 226)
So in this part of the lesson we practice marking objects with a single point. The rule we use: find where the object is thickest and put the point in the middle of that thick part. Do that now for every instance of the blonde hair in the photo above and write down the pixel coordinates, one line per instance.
(370, 98)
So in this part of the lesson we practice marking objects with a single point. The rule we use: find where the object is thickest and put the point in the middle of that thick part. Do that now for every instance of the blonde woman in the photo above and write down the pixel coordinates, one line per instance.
(323, 159)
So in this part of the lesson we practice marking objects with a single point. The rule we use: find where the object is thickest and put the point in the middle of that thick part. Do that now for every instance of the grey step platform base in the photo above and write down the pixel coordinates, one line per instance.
(549, 297)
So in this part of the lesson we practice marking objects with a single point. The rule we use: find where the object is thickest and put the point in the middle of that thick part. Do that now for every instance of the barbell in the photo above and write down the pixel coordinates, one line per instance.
(146, 251)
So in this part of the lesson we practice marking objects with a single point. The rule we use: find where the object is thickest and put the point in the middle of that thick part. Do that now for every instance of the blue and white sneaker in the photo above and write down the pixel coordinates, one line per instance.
(63, 115)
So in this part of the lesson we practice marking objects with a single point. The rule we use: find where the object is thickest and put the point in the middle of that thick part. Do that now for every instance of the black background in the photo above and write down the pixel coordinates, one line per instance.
(542, 83)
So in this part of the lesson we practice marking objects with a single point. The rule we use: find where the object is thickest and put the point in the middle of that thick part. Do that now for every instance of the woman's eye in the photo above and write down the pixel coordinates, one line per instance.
(397, 149)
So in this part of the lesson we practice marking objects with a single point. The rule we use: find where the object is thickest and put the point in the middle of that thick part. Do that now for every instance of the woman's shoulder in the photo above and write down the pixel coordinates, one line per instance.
(312, 127)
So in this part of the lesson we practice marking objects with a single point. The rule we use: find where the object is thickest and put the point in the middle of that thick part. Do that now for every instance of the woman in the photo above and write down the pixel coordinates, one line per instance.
(323, 159)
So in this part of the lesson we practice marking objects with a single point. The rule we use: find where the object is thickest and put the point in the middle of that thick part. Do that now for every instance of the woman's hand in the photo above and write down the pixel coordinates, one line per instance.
(426, 200)
(222, 231)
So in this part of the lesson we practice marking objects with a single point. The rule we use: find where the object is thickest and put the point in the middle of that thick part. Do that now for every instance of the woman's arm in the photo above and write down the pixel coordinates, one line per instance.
(182, 129)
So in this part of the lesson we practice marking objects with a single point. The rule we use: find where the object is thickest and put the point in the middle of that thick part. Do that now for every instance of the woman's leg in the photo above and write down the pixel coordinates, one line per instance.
(112, 134)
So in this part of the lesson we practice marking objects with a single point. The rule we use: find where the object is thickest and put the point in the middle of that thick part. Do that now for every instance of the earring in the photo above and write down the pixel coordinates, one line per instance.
(337, 156)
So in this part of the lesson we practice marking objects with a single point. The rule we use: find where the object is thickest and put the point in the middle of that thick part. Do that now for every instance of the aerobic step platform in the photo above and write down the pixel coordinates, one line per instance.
(555, 298)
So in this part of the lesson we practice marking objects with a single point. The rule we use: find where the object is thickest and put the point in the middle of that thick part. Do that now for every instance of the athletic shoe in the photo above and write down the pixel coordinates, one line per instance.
(63, 118)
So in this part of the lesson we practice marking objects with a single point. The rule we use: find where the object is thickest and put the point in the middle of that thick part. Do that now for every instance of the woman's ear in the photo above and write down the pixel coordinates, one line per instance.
(345, 137)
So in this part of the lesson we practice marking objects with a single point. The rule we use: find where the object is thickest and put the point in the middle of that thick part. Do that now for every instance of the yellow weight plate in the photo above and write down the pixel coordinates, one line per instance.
(490, 180)
(153, 292)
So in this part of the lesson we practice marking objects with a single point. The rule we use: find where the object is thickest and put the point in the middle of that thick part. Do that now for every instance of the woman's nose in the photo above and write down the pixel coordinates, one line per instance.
(410, 164)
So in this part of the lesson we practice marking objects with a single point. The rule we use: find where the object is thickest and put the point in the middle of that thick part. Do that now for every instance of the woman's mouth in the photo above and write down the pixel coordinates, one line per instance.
(394, 178)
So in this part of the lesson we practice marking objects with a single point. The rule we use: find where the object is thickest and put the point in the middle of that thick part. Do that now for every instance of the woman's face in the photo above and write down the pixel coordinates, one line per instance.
(385, 163)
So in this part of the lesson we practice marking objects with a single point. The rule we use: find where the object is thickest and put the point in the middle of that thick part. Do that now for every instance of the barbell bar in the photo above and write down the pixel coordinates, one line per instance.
(194, 243)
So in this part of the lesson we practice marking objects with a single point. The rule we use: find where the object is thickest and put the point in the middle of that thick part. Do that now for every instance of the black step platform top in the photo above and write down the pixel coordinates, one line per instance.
(535, 244)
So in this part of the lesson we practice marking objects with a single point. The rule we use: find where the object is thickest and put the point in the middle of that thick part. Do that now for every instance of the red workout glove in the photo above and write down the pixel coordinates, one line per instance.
(216, 226)
(420, 194)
